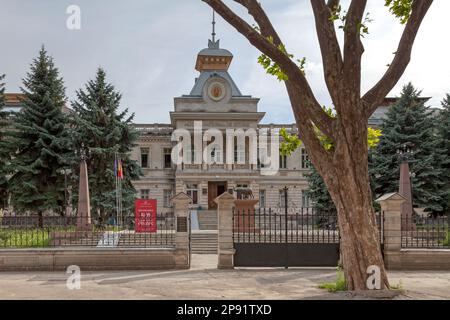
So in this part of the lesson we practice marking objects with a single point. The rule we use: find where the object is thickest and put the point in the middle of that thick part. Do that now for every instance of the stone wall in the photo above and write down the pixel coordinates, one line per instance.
(91, 259)
(418, 259)
(163, 257)
(398, 258)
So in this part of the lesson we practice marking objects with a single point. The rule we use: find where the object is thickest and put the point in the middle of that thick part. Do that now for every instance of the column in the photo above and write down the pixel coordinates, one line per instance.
(391, 206)
(181, 204)
(225, 205)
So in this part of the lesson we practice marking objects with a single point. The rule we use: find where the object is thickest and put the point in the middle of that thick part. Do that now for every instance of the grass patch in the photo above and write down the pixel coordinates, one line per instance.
(40, 238)
(336, 286)
(397, 287)
(24, 239)
(446, 241)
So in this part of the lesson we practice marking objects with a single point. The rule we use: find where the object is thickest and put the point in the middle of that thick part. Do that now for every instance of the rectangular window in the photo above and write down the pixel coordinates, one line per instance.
(283, 161)
(192, 191)
(262, 198)
(167, 195)
(145, 157)
(145, 194)
(306, 164)
(239, 154)
(262, 158)
(306, 200)
(189, 155)
(167, 158)
(216, 155)
(282, 198)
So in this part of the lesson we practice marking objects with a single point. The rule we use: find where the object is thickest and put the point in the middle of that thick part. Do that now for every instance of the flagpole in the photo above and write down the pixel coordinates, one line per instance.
(116, 174)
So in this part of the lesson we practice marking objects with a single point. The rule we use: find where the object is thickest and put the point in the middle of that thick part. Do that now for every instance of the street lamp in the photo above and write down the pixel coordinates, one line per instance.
(65, 172)
(405, 151)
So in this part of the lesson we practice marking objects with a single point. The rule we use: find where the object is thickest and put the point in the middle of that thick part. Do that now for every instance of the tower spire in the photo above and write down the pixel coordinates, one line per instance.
(214, 27)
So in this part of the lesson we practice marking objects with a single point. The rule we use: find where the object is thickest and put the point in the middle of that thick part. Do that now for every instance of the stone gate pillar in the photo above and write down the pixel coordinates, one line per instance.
(391, 206)
(181, 204)
(225, 205)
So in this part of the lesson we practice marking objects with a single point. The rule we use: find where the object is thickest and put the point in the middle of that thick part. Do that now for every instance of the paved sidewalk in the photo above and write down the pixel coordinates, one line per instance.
(204, 281)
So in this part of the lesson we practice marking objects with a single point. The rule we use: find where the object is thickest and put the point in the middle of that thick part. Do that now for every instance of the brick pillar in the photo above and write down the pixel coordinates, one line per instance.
(181, 204)
(391, 205)
(225, 205)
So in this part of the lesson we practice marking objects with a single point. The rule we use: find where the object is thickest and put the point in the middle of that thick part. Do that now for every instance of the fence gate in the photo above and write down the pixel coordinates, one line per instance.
(299, 237)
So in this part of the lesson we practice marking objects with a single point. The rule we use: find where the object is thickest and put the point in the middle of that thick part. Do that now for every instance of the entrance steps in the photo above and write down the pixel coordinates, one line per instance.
(204, 242)
(207, 219)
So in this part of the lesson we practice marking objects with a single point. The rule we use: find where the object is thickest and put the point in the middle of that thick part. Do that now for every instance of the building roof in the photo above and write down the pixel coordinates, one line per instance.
(14, 103)
(380, 113)
(214, 50)
(197, 90)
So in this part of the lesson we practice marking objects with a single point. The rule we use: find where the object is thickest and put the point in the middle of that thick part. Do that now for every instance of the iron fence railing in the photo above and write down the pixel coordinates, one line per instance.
(292, 225)
(32, 231)
(302, 225)
(425, 232)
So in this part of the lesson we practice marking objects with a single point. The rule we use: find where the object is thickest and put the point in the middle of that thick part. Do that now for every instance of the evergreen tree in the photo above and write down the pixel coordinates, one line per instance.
(444, 133)
(319, 194)
(104, 131)
(410, 122)
(40, 141)
(4, 154)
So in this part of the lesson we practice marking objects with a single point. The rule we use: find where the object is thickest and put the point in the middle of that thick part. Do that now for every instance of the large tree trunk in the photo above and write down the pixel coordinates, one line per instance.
(348, 182)
(360, 247)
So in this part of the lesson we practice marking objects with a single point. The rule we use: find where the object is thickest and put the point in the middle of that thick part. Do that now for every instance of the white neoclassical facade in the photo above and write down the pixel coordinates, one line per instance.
(217, 102)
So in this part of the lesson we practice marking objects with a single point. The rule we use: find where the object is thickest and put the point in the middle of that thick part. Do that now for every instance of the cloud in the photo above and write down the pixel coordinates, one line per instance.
(149, 48)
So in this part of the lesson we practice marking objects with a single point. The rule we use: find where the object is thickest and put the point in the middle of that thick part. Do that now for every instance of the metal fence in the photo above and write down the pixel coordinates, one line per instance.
(299, 225)
(302, 225)
(32, 231)
(426, 232)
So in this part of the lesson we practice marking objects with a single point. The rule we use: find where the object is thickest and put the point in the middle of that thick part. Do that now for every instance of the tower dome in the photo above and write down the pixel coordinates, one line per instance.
(213, 57)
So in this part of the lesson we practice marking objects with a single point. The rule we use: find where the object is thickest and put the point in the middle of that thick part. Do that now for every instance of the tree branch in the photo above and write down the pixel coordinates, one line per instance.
(353, 48)
(320, 157)
(312, 108)
(329, 47)
(375, 96)
(333, 4)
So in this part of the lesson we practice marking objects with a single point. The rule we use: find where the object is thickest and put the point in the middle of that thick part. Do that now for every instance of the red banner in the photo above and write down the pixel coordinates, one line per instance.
(145, 216)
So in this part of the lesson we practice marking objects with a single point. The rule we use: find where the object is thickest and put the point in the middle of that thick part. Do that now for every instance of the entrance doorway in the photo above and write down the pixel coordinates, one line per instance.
(215, 189)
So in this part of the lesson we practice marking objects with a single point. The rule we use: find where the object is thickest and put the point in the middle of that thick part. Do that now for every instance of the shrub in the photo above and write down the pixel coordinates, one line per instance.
(338, 285)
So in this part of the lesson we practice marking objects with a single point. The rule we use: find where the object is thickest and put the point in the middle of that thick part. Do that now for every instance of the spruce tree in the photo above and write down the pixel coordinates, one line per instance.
(4, 154)
(104, 131)
(409, 121)
(444, 133)
(319, 194)
(40, 140)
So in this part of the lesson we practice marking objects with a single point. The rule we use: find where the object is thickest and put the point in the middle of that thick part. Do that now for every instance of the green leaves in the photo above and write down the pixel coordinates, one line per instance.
(373, 138)
(400, 8)
(272, 67)
(290, 143)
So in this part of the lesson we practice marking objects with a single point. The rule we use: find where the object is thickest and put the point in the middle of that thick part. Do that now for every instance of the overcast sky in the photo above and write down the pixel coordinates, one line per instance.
(149, 48)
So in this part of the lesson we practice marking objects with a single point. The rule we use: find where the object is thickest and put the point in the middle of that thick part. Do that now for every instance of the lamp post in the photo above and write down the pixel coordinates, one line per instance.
(65, 172)
(405, 186)
(285, 190)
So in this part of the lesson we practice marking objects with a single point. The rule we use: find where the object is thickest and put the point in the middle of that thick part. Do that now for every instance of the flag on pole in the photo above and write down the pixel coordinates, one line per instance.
(120, 170)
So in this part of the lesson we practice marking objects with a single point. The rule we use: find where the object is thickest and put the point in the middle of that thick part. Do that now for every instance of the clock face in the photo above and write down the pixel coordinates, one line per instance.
(216, 91)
